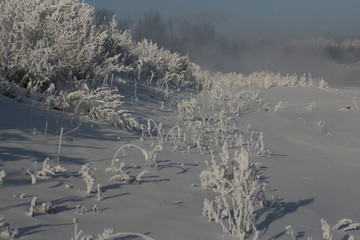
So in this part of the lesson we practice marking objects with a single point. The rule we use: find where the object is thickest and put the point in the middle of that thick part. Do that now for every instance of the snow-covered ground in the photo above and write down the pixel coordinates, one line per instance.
(311, 173)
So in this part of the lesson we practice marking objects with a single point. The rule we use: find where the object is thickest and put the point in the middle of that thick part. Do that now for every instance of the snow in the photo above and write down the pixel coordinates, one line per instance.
(313, 171)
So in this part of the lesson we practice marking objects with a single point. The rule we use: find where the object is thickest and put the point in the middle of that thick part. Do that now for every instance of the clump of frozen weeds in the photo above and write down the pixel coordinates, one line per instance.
(6, 232)
(107, 234)
(257, 144)
(237, 183)
(120, 175)
(48, 171)
(281, 105)
(86, 174)
(119, 172)
(2, 177)
(48, 207)
(32, 175)
(325, 227)
(151, 128)
(150, 156)
(311, 107)
(83, 209)
(345, 225)
(32, 209)
(187, 107)
(176, 137)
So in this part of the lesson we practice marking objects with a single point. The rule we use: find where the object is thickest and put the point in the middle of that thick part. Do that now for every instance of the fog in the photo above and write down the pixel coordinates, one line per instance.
(297, 36)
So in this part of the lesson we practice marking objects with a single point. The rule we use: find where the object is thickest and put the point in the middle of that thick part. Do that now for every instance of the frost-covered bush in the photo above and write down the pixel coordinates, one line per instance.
(101, 104)
(32, 209)
(257, 144)
(187, 107)
(47, 171)
(152, 128)
(176, 137)
(281, 105)
(8, 88)
(237, 184)
(48, 207)
(87, 175)
(220, 82)
(166, 68)
(56, 41)
(345, 225)
(119, 169)
(119, 173)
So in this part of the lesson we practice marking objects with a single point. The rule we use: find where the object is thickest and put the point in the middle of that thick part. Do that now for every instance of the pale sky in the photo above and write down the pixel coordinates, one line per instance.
(255, 18)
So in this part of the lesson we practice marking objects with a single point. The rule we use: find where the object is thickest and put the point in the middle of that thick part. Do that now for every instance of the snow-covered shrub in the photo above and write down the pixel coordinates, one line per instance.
(326, 229)
(322, 84)
(217, 81)
(310, 107)
(140, 175)
(149, 156)
(32, 175)
(86, 174)
(237, 184)
(279, 106)
(48, 207)
(160, 65)
(56, 41)
(345, 225)
(8, 88)
(151, 128)
(32, 209)
(83, 209)
(257, 144)
(121, 176)
(119, 173)
(187, 107)
(197, 134)
(6, 232)
(101, 104)
(47, 171)
(176, 137)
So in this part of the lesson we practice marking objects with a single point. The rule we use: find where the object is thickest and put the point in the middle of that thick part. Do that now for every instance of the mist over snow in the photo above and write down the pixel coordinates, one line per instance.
(252, 35)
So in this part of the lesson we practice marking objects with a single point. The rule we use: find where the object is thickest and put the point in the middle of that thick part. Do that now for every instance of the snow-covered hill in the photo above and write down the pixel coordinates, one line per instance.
(311, 173)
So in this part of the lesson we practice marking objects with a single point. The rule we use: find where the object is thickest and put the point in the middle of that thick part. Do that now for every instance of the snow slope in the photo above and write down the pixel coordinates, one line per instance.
(313, 170)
